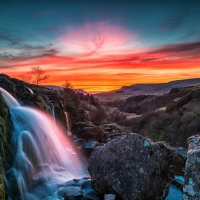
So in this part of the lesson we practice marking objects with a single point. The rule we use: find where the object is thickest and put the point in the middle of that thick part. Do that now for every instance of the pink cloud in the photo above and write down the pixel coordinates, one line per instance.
(99, 38)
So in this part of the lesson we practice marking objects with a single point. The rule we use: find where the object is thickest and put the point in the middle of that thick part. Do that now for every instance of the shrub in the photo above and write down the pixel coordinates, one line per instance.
(98, 115)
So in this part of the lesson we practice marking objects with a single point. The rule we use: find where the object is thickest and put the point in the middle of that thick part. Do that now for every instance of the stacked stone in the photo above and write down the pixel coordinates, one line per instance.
(191, 189)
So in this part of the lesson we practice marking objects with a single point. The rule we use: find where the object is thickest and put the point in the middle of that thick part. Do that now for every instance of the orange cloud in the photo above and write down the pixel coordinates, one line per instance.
(102, 56)
(101, 38)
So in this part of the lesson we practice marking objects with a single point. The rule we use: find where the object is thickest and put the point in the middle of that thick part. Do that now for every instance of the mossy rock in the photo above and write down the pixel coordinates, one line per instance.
(7, 84)
(6, 156)
(60, 115)
(5, 134)
(3, 107)
(2, 186)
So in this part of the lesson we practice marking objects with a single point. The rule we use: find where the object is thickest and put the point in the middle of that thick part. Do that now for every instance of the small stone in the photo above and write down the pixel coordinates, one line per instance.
(141, 170)
(146, 144)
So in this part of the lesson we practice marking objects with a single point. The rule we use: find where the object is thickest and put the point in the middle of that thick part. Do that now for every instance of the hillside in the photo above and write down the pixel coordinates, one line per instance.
(172, 117)
(145, 89)
(159, 89)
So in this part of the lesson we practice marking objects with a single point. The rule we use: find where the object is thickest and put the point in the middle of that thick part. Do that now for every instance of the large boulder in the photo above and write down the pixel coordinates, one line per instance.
(191, 187)
(131, 167)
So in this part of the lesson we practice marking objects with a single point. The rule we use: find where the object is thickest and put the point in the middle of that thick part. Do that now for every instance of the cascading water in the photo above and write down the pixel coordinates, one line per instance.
(52, 110)
(44, 158)
(68, 124)
(29, 89)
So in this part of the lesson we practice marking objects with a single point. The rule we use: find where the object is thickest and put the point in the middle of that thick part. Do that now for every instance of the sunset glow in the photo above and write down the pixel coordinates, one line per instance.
(101, 51)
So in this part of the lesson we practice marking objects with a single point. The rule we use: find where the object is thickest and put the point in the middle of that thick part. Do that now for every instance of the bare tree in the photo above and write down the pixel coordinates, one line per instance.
(39, 74)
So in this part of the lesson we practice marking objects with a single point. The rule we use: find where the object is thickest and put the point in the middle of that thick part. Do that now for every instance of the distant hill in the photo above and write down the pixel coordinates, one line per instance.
(145, 89)
(160, 88)
(53, 87)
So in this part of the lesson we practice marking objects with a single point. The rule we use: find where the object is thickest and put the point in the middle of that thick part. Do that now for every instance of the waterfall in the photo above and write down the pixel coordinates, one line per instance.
(29, 89)
(68, 124)
(43, 157)
(52, 110)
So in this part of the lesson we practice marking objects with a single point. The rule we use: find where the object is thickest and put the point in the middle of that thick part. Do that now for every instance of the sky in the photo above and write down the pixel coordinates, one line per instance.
(101, 45)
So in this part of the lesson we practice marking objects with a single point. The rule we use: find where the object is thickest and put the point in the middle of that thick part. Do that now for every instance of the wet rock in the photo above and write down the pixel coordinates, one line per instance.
(89, 192)
(78, 189)
(90, 144)
(182, 153)
(11, 177)
(88, 147)
(177, 183)
(87, 131)
(109, 197)
(191, 187)
(178, 163)
(68, 191)
(131, 167)
(79, 141)
(179, 157)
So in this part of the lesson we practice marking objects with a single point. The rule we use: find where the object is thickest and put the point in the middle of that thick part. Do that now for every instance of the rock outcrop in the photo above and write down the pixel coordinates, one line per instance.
(6, 155)
(102, 133)
(87, 131)
(191, 187)
(87, 136)
(111, 131)
(179, 157)
(131, 167)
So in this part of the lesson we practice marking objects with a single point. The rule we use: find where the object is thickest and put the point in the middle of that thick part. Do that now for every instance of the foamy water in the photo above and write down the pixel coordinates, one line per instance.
(44, 157)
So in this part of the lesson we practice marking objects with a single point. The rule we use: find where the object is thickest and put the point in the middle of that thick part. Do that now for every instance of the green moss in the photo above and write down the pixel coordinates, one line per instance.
(60, 116)
(39, 102)
(6, 156)
(5, 137)
(45, 98)
(3, 108)
(2, 186)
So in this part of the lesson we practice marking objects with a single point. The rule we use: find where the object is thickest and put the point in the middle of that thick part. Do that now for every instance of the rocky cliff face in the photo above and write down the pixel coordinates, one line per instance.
(6, 155)
(131, 167)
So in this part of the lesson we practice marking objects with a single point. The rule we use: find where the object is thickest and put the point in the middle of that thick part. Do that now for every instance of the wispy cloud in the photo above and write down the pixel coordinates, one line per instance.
(189, 48)
(20, 45)
(170, 56)
(175, 21)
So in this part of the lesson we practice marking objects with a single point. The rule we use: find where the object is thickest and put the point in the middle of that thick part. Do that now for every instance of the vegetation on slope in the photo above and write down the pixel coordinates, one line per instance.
(5, 140)
(180, 120)
(146, 103)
